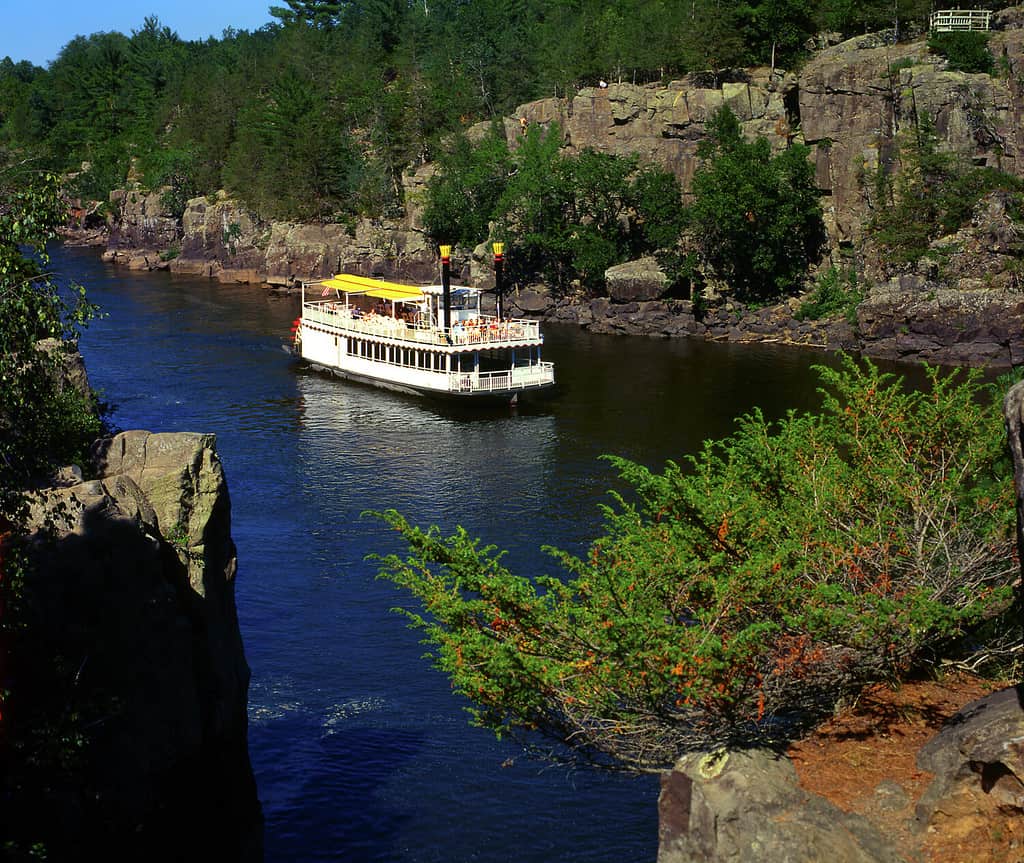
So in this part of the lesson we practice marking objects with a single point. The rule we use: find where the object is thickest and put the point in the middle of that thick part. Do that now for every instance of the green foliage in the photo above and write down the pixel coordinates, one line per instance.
(756, 217)
(291, 159)
(42, 423)
(322, 14)
(776, 30)
(569, 218)
(174, 171)
(904, 63)
(737, 598)
(851, 17)
(964, 52)
(45, 422)
(835, 294)
(935, 195)
(318, 116)
(462, 196)
(660, 214)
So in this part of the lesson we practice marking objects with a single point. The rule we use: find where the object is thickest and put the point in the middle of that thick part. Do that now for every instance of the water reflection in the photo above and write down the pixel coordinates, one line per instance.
(387, 450)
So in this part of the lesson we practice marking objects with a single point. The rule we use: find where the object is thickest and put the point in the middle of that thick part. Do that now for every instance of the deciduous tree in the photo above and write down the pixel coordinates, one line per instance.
(756, 216)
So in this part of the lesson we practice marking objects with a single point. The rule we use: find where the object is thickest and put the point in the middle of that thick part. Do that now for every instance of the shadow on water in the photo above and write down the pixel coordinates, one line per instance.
(454, 409)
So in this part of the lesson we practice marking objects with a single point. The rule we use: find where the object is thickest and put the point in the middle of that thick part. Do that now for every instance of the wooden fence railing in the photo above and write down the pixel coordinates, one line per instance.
(947, 20)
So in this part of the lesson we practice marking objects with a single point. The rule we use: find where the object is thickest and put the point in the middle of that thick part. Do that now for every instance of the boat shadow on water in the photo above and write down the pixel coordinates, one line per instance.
(540, 403)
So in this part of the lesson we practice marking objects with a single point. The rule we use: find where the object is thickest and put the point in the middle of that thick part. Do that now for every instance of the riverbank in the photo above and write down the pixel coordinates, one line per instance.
(912, 317)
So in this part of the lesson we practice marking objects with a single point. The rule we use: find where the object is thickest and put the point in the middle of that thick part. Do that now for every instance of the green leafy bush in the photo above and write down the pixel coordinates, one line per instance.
(462, 197)
(739, 596)
(964, 52)
(43, 423)
(836, 293)
(568, 217)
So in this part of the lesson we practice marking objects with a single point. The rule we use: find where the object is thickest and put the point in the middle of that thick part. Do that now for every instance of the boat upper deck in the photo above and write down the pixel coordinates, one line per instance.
(484, 331)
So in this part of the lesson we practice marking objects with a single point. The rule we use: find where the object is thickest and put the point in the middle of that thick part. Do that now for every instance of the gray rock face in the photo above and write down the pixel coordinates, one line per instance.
(746, 807)
(856, 97)
(663, 125)
(143, 225)
(379, 249)
(221, 239)
(978, 761)
(943, 325)
(135, 589)
(966, 310)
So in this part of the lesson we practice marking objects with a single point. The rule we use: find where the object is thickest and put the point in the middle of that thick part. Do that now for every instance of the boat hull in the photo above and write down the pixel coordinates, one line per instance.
(493, 397)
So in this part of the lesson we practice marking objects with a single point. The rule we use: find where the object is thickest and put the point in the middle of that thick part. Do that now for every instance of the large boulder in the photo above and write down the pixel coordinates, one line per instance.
(638, 280)
(978, 762)
(745, 806)
(952, 326)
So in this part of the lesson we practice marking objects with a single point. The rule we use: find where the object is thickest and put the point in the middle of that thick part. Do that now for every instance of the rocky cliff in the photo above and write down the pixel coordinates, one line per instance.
(132, 624)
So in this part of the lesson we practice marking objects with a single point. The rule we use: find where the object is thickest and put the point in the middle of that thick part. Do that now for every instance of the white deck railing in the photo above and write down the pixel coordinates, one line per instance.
(487, 330)
(948, 20)
(519, 378)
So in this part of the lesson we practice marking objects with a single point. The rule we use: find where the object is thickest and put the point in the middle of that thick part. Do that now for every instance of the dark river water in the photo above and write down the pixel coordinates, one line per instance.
(361, 751)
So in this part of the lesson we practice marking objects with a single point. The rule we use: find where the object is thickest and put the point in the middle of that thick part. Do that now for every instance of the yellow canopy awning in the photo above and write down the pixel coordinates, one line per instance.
(372, 287)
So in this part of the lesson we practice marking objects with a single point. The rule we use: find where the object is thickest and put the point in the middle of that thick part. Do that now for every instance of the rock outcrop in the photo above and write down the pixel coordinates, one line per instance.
(736, 806)
(962, 305)
(221, 239)
(134, 598)
(636, 280)
(978, 763)
(856, 98)
(664, 125)
(143, 232)
(746, 807)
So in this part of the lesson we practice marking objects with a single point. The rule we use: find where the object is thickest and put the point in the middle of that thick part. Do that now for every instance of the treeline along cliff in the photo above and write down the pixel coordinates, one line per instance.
(343, 140)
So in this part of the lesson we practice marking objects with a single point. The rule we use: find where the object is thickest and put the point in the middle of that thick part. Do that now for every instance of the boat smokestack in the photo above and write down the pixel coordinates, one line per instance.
(499, 277)
(446, 283)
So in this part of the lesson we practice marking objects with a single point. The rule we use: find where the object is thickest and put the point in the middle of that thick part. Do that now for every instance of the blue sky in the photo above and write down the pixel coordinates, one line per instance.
(36, 30)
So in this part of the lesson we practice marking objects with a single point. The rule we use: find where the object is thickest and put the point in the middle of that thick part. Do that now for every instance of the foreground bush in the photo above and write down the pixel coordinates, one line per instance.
(738, 599)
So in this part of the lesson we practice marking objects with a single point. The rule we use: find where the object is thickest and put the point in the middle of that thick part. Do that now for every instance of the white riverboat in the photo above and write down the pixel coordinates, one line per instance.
(431, 340)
